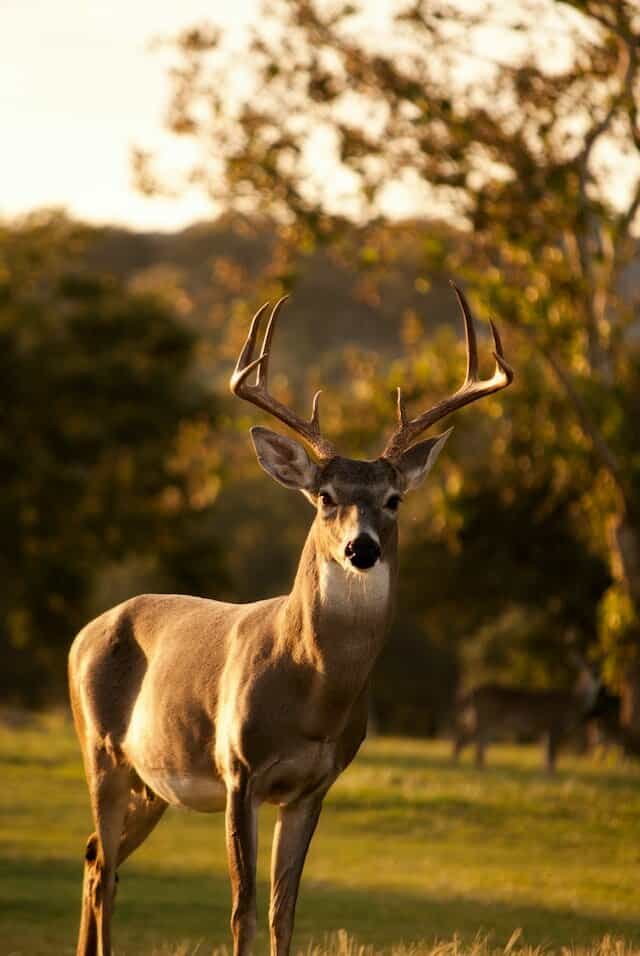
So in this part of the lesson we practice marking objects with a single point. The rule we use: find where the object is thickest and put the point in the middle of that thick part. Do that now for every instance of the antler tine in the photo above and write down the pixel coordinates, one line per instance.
(470, 335)
(472, 389)
(244, 365)
(263, 367)
(315, 411)
(498, 354)
(400, 409)
(258, 394)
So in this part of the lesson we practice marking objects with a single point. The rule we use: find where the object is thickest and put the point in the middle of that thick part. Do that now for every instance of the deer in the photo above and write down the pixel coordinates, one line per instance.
(189, 702)
(490, 711)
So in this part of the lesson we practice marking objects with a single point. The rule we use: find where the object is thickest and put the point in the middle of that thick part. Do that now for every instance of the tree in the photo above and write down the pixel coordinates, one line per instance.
(96, 397)
(520, 124)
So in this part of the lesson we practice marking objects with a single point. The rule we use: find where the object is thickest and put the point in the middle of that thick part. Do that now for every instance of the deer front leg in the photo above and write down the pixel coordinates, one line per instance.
(242, 848)
(294, 828)
(551, 751)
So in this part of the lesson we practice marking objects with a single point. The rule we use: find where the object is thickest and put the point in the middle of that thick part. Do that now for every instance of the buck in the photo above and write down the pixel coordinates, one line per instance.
(194, 703)
(493, 711)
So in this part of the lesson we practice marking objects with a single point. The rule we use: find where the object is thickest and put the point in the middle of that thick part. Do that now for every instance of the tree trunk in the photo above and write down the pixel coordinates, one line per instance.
(625, 547)
(630, 708)
(625, 566)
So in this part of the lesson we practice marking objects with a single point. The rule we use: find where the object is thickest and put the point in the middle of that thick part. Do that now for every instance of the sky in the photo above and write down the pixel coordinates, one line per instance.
(79, 87)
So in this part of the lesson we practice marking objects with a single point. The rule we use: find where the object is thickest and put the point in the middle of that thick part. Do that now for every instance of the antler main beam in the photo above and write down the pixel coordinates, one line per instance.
(258, 394)
(473, 388)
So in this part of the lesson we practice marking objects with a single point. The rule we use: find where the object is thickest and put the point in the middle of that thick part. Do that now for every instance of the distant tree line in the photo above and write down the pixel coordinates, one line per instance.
(127, 466)
(96, 388)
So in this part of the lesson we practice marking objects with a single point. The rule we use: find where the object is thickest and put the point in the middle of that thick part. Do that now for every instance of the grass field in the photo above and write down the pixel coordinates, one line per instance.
(409, 848)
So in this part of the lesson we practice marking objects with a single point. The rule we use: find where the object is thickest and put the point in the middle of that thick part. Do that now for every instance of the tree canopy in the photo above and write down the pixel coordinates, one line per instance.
(518, 124)
(96, 397)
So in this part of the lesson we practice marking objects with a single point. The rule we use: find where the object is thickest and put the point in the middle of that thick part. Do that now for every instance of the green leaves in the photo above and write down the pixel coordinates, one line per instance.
(96, 387)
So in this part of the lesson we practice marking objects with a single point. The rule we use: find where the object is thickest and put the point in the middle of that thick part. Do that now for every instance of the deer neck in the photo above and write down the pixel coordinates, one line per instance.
(341, 617)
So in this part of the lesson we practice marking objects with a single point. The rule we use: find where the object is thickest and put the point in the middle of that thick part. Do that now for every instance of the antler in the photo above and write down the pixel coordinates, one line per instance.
(472, 389)
(258, 394)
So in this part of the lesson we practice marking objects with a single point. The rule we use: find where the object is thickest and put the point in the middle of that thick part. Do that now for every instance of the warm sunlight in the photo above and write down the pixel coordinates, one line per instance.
(79, 86)
(82, 83)
(225, 604)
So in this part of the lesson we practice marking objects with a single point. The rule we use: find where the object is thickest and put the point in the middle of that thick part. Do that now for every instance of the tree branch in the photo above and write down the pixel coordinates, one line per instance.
(625, 70)
(626, 220)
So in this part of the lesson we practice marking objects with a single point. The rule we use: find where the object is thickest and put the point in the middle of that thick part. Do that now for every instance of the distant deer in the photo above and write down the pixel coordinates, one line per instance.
(493, 711)
(214, 706)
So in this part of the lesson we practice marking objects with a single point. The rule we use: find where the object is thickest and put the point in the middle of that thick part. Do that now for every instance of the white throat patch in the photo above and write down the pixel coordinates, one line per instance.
(354, 593)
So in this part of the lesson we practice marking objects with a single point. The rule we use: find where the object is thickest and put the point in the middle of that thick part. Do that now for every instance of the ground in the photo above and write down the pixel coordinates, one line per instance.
(409, 848)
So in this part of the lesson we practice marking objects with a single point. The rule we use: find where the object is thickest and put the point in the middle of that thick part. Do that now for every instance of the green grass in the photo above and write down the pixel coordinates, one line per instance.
(409, 848)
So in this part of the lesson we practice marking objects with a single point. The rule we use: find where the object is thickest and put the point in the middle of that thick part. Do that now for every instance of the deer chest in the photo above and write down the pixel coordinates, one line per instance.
(298, 772)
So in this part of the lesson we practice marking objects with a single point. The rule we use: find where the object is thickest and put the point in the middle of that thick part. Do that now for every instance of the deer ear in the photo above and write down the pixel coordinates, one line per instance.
(417, 461)
(284, 459)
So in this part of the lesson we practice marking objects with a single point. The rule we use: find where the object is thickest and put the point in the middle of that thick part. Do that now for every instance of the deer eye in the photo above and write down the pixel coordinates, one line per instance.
(393, 502)
(327, 500)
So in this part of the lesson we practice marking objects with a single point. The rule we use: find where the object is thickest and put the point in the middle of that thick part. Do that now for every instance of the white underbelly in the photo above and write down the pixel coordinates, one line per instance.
(202, 792)
(167, 769)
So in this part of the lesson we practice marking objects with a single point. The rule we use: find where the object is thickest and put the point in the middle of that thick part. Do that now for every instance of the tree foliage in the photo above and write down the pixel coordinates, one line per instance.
(494, 561)
(519, 124)
(96, 396)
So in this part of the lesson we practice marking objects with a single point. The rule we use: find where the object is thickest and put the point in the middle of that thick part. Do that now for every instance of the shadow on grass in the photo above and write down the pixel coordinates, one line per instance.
(412, 761)
(41, 903)
(29, 760)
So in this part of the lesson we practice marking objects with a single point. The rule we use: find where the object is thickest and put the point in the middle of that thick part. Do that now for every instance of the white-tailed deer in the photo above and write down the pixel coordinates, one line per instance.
(195, 703)
(496, 711)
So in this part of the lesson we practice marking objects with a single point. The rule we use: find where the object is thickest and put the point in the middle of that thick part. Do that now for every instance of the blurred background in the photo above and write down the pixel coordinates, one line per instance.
(163, 174)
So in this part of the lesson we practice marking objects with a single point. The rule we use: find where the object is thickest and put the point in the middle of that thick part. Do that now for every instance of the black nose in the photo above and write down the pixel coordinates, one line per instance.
(363, 552)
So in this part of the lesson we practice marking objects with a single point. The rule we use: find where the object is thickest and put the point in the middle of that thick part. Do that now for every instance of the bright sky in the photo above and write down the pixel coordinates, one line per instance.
(78, 87)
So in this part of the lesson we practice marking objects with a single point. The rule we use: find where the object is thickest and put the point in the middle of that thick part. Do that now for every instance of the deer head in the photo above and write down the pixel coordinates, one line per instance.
(356, 501)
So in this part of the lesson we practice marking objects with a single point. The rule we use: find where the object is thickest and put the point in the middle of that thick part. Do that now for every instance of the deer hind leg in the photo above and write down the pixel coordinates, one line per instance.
(109, 787)
(88, 934)
(143, 813)
(481, 747)
(461, 739)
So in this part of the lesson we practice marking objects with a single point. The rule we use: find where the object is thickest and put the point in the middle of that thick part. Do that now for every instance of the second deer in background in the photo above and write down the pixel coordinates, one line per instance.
(495, 711)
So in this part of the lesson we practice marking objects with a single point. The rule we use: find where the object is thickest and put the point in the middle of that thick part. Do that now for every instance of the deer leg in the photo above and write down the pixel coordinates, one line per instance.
(294, 829)
(109, 797)
(242, 847)
(88, 934)
(481, 746)
(460, 741)
(551, 752)
(142, 816)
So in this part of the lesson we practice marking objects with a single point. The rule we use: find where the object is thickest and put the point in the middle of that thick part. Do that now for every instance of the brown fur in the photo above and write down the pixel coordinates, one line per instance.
(220, 706)
(268, 700)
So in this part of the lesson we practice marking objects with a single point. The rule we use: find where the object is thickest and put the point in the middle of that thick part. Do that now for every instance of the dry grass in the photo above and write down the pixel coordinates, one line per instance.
(342, 944)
